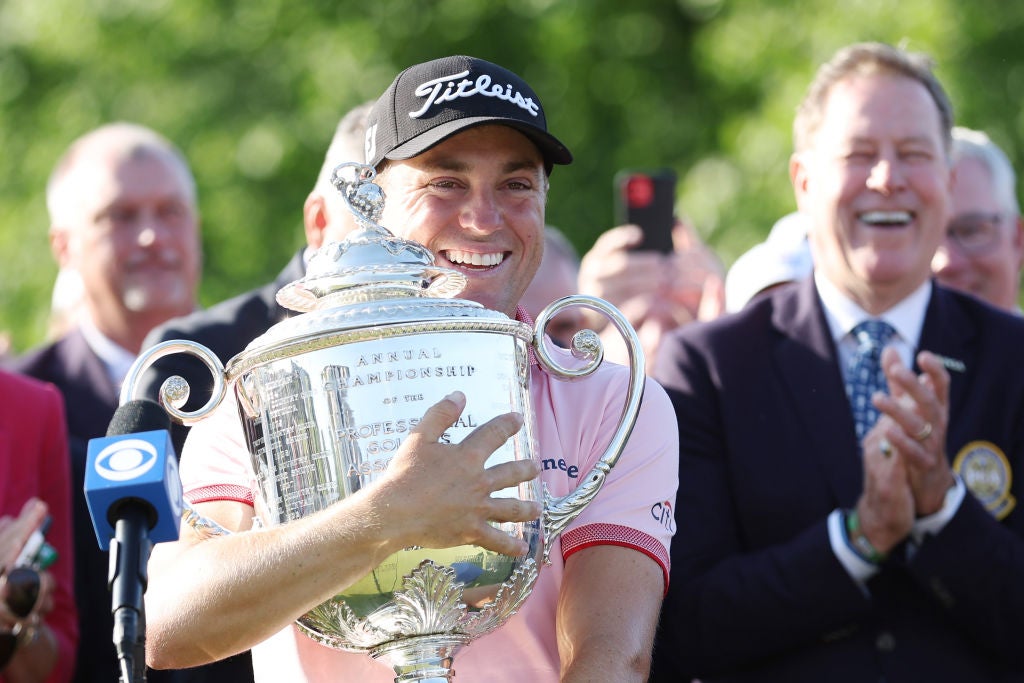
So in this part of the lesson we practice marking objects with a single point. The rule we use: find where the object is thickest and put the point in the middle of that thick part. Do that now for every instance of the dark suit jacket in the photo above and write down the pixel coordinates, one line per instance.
(226, 329)
(90, 400)
(767, 451)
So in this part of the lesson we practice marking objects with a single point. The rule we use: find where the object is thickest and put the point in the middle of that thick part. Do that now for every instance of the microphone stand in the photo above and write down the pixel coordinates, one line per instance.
(128, 578)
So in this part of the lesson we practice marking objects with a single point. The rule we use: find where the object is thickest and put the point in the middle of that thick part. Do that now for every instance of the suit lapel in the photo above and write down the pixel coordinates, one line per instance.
(805, 358)
(91, 397)
(84, 362)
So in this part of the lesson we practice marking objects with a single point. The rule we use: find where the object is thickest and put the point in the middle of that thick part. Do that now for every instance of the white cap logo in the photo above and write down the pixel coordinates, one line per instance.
(453, 90)
(126, 460)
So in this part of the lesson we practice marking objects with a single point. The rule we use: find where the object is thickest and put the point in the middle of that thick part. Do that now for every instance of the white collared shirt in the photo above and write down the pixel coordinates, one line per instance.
(116, 359)
(842, 315)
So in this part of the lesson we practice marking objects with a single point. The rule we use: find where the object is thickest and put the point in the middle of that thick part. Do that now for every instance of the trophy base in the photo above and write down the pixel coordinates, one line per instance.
(422, 659)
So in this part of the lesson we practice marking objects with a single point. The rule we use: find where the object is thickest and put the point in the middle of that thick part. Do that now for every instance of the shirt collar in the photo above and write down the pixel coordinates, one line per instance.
(116, 359)
(842, 314)
(524, 317)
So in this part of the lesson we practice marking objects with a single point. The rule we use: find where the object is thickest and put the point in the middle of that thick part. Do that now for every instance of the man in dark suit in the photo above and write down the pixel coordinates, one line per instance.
(817, 541)
(122, 204)
(228, 327)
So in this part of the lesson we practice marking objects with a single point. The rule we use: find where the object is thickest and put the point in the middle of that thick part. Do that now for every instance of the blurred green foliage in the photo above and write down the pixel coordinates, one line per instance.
(251, 91)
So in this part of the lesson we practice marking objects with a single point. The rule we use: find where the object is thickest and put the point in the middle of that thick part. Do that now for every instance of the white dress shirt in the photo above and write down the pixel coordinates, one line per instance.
(116, 359)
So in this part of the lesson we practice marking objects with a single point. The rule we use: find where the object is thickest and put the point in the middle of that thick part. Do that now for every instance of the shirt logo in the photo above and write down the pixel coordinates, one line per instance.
(572, 471)
(445, 89)
(662, 514)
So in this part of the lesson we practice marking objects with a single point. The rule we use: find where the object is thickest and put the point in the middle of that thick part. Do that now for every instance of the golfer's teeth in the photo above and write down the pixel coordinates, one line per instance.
(474, 259)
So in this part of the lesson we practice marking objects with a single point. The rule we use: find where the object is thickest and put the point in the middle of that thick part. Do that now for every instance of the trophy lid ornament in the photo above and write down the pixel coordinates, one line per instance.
(371, 264)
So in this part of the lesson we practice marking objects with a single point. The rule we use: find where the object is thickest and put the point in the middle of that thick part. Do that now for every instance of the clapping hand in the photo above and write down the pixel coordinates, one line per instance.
(918, 406)
(906, 474)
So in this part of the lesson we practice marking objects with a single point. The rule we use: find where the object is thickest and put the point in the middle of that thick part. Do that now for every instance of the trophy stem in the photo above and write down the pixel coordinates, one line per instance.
(422, 659)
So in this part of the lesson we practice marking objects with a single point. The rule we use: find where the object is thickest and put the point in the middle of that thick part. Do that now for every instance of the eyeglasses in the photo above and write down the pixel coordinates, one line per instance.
(23, 585)
(975, 233)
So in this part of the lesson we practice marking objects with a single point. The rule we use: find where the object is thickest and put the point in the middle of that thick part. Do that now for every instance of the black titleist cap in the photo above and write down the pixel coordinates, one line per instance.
(429, 102)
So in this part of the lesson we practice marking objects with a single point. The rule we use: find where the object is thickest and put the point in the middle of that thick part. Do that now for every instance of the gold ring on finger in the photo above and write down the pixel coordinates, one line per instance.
(885, 447)
(925, 432)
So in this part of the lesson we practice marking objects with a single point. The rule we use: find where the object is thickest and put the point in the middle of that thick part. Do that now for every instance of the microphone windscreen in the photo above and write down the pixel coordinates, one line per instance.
(140, 415)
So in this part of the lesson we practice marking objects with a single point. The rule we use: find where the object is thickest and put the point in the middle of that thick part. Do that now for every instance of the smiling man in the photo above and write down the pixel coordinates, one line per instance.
(984, 247)
(463, 155)
(816, 540)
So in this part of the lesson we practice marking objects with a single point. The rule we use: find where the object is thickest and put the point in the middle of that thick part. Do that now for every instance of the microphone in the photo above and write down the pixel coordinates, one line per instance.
(133, 492)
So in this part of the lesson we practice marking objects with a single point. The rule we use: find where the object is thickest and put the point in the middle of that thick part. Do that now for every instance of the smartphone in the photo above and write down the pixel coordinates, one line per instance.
(37, 553)
(647, 198)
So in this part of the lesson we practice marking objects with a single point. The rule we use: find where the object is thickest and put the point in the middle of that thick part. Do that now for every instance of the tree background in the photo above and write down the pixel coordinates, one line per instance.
(252, 89)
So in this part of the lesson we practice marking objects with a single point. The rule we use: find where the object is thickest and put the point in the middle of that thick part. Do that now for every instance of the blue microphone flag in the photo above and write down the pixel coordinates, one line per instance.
(134, 468)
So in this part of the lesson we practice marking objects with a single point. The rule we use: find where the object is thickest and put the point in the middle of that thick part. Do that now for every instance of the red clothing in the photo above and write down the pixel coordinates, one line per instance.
(34, 462)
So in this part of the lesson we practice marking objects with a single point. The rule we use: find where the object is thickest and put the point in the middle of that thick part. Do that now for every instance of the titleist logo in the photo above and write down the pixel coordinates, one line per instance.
(445, 89)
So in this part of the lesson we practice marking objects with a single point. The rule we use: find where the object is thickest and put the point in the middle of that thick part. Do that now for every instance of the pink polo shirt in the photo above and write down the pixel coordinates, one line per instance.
(575, 421)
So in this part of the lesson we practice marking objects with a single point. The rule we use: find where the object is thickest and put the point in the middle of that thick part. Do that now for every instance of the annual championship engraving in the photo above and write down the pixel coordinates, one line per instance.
(345, 410)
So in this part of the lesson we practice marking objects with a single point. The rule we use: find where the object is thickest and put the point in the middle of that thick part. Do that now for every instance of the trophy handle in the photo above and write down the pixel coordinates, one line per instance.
(559, 512)
(175, 390)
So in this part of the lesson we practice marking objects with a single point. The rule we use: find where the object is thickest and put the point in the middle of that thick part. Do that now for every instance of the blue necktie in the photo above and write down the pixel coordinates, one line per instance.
(864, 374)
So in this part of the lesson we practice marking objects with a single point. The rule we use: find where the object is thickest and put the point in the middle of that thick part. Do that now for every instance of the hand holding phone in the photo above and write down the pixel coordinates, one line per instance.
(25, 587)
(37, 553)
(16, 531)
(647, 199)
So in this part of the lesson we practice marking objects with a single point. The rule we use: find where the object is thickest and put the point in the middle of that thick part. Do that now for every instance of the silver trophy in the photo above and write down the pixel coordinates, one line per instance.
(327, 397)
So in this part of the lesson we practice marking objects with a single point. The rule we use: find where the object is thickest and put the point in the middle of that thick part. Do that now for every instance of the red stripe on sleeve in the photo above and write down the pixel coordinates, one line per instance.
(206, 494)
(591, 535)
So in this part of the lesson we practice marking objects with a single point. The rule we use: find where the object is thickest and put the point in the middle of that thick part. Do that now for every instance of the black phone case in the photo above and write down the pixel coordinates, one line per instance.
(647, 199)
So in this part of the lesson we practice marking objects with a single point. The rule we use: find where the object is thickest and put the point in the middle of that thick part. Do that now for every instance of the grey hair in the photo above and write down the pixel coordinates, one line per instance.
(128, 141)
(974, 144)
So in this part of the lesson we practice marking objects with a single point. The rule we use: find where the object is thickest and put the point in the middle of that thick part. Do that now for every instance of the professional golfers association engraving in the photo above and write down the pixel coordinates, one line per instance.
(327, 397)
